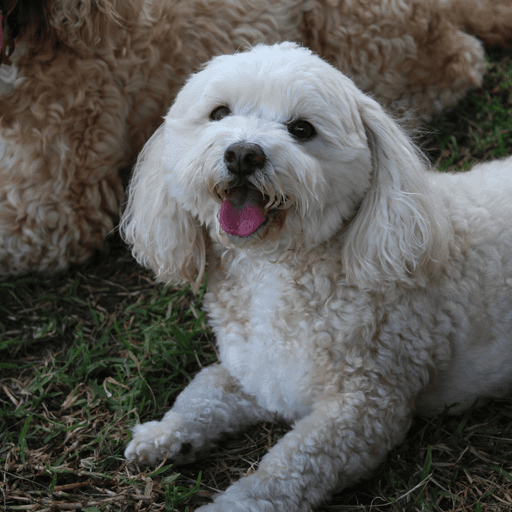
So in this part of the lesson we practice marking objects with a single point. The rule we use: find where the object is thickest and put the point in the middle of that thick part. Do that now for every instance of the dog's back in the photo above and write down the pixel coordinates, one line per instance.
(476, 287)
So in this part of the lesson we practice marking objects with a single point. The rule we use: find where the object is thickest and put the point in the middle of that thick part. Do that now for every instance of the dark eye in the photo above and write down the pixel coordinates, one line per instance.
(219, 113)
(302, 130)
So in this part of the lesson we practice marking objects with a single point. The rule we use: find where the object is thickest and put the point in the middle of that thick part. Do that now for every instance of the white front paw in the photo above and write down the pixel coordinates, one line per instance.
(224, 507)
(154, 440)
(251, 494)
(249, 505)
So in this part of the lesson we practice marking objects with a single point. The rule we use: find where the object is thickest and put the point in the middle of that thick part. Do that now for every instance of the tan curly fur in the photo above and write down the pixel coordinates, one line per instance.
(90, 80)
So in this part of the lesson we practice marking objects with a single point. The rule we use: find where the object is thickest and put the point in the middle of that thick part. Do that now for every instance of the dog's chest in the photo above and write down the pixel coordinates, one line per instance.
(262, 340)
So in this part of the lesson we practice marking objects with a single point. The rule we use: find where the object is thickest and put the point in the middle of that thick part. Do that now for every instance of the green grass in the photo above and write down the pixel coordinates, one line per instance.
(84, 356)
(480, 127)
(86, 353)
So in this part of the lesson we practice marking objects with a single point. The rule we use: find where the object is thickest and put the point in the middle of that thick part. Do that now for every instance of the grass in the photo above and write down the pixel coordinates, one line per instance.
(86, 353)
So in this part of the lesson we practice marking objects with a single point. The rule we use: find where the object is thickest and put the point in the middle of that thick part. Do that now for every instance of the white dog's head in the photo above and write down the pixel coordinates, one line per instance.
(273, 150)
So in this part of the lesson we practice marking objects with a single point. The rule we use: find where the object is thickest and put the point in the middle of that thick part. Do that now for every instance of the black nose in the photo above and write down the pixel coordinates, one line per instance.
(243, 158)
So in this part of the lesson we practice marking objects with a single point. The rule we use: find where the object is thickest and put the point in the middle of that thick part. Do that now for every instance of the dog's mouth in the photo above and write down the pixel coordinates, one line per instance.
(245, 211)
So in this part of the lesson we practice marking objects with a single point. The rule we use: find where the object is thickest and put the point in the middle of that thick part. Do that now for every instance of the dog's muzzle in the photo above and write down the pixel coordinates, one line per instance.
(243, 210)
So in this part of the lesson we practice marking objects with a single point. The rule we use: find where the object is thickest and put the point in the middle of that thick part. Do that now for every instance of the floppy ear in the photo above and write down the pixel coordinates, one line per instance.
(163, 236)
(398, 233)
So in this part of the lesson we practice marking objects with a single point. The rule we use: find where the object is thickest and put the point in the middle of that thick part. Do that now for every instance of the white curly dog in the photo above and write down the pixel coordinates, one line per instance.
(349, 287)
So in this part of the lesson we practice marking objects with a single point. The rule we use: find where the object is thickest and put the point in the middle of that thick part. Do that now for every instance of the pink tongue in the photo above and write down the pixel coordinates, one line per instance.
(243, 212)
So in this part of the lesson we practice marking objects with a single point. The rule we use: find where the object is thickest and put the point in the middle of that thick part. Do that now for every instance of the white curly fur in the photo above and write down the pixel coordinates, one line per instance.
(377, 290)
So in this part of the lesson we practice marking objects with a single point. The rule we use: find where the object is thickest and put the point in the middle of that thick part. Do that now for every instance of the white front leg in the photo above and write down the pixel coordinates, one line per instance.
(340, 442)
(211, 405)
